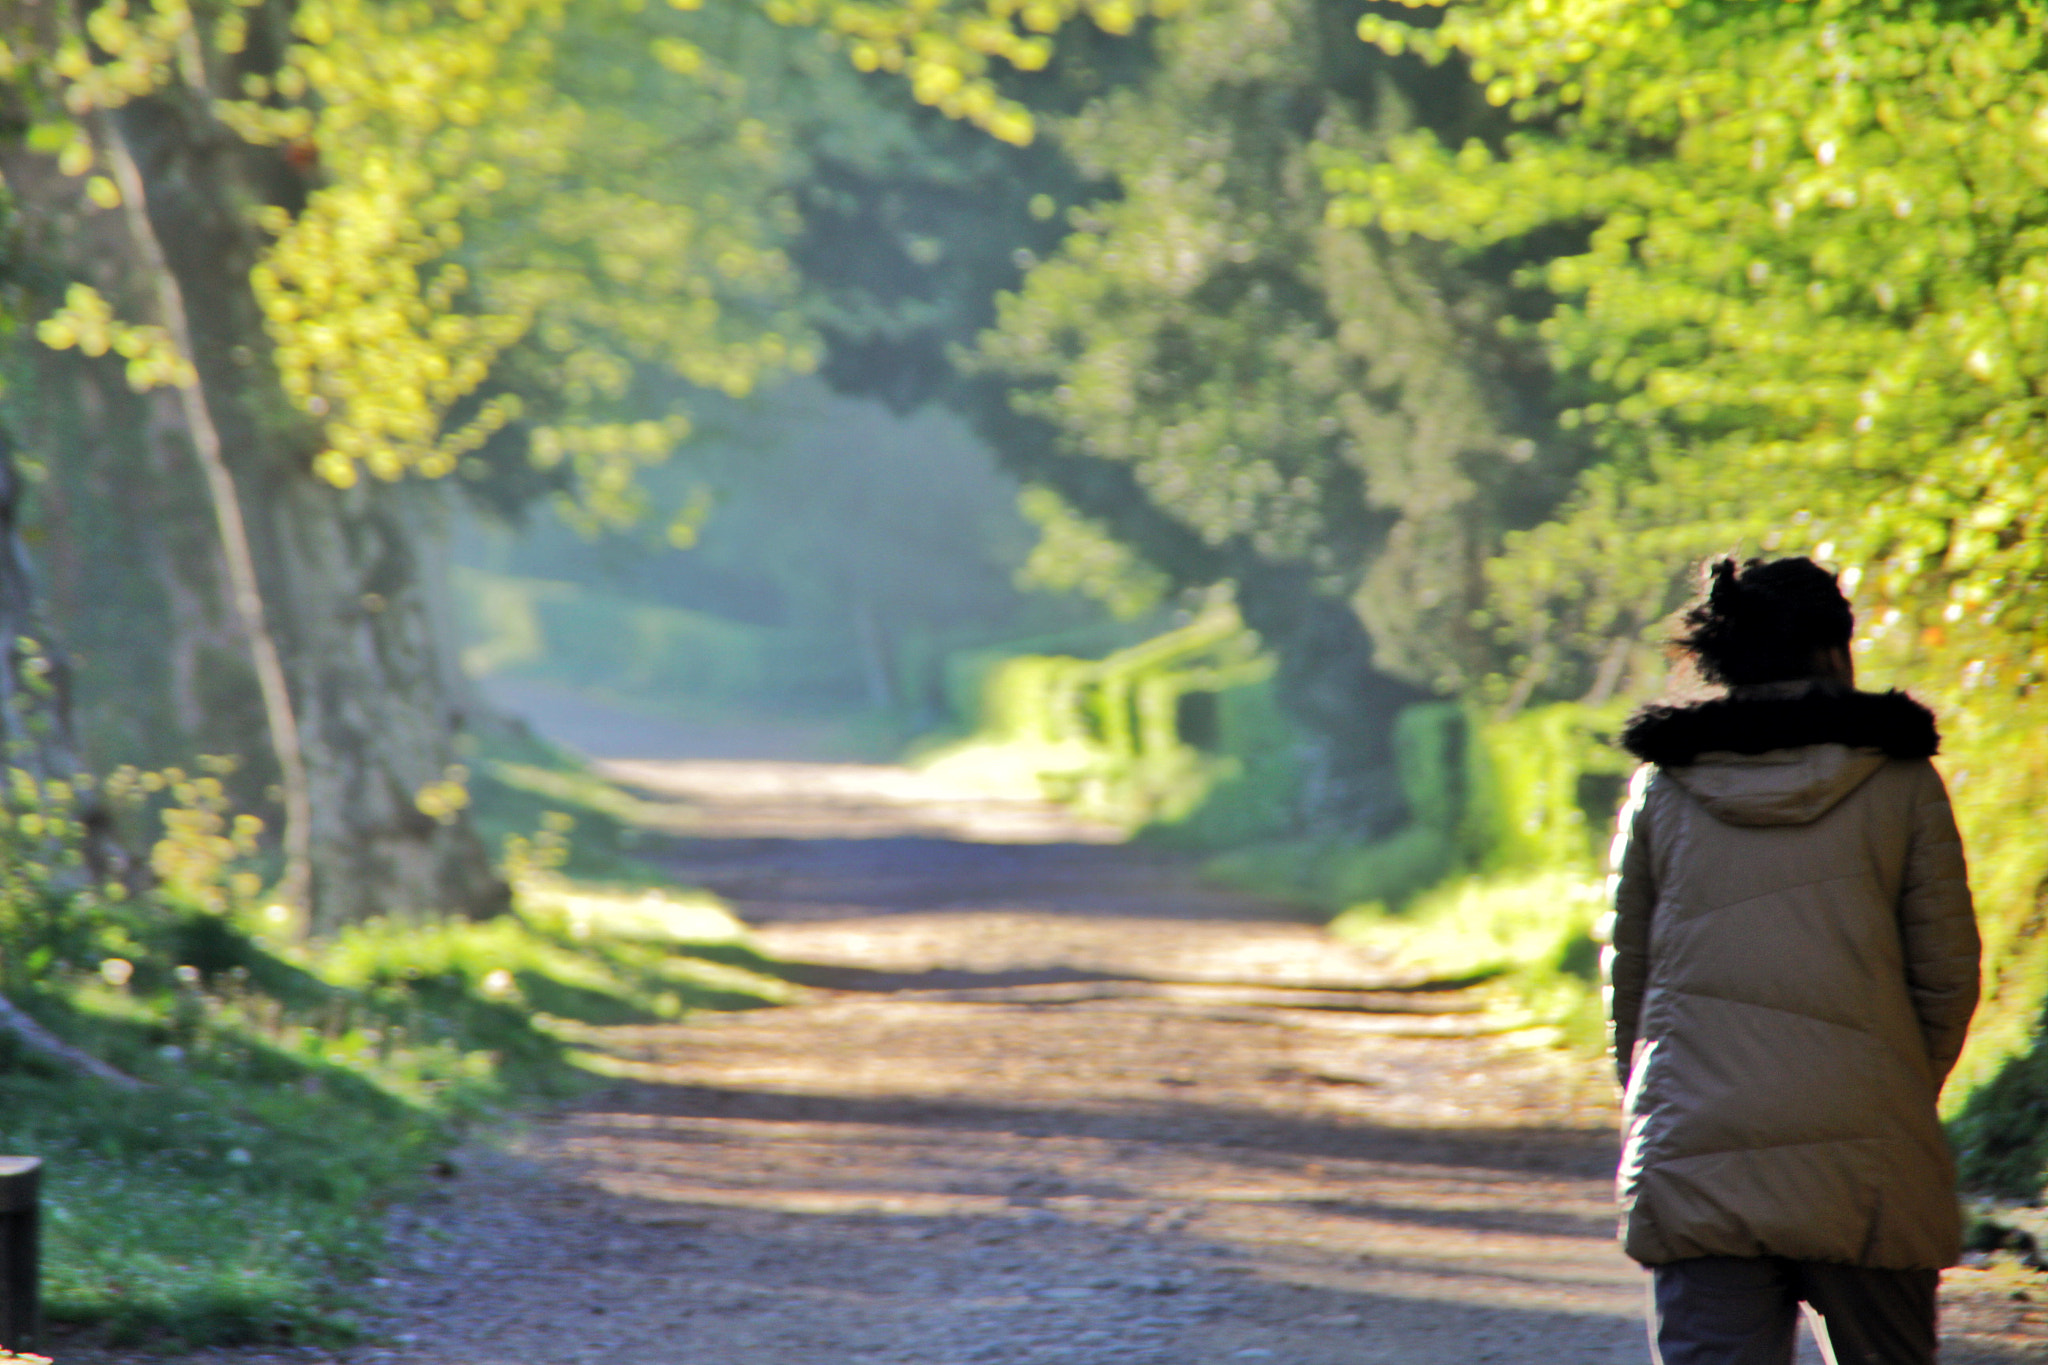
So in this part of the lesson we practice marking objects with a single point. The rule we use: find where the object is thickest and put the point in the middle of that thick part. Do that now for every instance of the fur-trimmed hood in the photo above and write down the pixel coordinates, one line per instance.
(1890, 722)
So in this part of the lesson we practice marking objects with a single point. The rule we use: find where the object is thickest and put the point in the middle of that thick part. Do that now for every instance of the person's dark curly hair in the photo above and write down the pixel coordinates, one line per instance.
(1766, 621)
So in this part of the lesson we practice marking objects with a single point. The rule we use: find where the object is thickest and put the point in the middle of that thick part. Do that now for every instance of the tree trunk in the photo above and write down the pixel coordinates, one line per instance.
(375, 694)
(35, 685)
(380, 717)
(873, 647)
(369, 674)
(35, 726)
(190, 408)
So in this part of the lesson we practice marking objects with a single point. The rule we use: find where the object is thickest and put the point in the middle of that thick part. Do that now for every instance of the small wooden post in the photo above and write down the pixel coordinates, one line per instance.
(20, 1298)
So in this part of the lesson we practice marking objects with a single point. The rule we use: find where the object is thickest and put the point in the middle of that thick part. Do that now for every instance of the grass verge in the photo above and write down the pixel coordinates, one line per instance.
(1531, 932)
(291, 1096)
(290, 1093)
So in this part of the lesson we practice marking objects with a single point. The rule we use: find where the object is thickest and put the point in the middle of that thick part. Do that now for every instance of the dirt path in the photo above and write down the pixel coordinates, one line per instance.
(1049, 1103)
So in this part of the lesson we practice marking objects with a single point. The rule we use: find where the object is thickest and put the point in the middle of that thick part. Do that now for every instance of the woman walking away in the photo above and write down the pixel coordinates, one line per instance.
(1793, 967)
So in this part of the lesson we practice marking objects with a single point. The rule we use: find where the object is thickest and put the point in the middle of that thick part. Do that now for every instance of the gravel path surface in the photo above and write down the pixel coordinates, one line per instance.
(1052, 1104)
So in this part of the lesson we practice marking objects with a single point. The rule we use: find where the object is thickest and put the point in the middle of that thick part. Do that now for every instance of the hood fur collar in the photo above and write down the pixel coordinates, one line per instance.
(1891, 722)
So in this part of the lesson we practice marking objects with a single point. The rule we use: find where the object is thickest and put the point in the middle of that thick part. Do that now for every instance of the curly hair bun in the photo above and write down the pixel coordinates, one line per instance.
(1766, 620)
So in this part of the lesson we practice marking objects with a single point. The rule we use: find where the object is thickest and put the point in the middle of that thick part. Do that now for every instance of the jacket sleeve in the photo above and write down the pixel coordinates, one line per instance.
(1625, 961)
(1938, 926)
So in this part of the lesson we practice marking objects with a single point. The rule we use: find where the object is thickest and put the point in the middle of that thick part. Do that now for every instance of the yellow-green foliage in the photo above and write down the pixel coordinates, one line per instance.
(574, 182)
(1032, 699)
(1799, 290)
(1980, 676)
(594, 956)
(1532, 804)
(87, 321)
(1532, 792)
(1800, 296)
(1075, 553)
(1105, 735)
(948, 51)
(1532, 929)
(1997, 767)
(432, 122)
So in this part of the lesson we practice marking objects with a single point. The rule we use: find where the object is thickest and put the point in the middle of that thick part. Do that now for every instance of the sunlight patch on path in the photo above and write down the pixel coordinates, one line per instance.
(744, 799)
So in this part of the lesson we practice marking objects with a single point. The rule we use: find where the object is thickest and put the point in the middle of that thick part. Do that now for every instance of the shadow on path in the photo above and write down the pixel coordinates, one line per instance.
(1041, 1102)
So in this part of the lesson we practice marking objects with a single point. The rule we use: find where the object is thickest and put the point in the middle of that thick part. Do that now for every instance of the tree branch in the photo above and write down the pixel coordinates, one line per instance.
(39, 1039)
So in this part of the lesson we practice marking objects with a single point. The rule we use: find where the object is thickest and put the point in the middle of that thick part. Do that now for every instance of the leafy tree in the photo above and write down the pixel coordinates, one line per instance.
(1328, 415)
(367, 246)
(1808, 306)
(1807, 292)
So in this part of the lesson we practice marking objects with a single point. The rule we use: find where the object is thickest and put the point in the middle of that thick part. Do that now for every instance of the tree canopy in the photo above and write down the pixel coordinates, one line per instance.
(1809, 293)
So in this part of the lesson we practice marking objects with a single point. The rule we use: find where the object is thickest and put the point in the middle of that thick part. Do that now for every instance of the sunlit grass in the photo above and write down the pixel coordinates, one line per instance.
(1531, 931)
(293, 1094)
(596, 956)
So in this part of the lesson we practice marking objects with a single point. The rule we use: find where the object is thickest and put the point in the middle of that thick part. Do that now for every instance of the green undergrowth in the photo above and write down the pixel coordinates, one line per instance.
(289, 1093)
(1183, 740)
(1530, 934)
(1496, 874)
(1178, 735)
(213, 1209)
(2001, 1125)
(520, 783)
(1486, 798)
(1995, 760)
(1499, 874)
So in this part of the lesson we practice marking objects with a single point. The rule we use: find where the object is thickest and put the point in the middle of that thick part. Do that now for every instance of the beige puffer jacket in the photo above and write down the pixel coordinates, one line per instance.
(1793, 965)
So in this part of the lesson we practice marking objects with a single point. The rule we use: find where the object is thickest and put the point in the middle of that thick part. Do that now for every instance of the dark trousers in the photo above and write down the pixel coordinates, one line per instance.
(1742, 1310)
